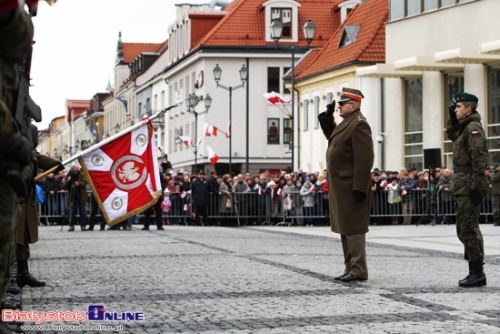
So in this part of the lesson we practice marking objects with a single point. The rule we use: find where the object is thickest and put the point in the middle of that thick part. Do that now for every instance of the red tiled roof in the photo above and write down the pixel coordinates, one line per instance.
(132, 50)
(163, 47)
(244, 24)
(369, 45)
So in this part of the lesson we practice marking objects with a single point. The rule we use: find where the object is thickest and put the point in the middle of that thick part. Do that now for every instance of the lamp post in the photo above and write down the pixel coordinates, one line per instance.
(193, 100)
(309, 30)
(243, 76)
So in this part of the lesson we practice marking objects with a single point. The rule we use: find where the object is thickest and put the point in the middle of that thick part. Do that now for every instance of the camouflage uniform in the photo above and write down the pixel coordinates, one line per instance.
(470, 160)
(15, 40)
(495, 191)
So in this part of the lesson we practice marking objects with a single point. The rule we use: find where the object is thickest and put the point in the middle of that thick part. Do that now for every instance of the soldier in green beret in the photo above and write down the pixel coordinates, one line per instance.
(469, 184)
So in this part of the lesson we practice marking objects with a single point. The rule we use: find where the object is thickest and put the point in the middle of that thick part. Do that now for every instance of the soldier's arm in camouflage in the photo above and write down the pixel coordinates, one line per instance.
(16, 38)
(479, 156)
(452, 128)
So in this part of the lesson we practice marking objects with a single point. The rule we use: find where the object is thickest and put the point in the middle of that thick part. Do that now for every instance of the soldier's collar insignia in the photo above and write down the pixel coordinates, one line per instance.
(360, 119)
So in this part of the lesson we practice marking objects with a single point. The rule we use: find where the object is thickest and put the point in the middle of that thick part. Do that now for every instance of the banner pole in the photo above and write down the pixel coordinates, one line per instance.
(119, 134)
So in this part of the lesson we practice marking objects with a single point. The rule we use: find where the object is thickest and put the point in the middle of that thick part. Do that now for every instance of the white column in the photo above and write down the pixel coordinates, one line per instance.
(433, 112)
(394, 124)
(475, 82)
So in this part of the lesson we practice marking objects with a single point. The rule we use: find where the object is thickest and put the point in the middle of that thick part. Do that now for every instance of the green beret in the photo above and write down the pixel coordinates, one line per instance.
(465, 97)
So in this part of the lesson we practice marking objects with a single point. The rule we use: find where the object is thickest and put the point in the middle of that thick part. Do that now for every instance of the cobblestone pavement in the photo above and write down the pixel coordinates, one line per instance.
(264, 280)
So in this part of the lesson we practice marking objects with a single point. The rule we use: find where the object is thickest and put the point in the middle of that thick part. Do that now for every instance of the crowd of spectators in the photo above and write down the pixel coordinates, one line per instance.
(398, 197)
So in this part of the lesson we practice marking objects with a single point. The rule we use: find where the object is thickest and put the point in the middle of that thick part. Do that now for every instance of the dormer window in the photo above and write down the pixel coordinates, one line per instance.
(283, 15)
(287, 13)
(348, 35)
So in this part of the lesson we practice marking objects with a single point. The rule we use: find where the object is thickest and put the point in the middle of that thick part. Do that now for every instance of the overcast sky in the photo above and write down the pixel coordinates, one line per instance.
(75, 48)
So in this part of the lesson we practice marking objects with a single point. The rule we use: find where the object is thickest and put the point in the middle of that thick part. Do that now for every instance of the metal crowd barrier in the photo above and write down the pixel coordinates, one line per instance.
(288, 209)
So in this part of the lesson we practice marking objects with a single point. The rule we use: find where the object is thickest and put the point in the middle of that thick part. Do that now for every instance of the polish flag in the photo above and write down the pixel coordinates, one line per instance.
(261, 191)
(212, 156)
(313, 188)
(210, 130)
(403, 193)
(383, 184)
(280, 192)
(186, 140)
(228, 132)
(274, 98)
(183, 194)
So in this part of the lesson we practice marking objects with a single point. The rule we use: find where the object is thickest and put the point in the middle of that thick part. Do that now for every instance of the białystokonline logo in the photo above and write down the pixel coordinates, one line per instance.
(95, 312)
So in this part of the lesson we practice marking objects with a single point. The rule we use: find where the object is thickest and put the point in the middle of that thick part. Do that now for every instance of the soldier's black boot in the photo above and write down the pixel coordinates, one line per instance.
(24, 277)
(476, 276)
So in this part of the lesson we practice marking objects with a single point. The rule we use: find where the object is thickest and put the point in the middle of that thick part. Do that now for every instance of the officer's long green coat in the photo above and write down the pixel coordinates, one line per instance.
(349, 160)
(27, 229)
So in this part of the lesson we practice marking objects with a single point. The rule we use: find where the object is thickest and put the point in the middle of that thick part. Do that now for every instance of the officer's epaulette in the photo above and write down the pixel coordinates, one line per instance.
(360, 119)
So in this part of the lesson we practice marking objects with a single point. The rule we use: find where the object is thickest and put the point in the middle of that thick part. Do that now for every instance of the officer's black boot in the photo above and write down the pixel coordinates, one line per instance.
(102, 227)
(468, 276)
(24, 277)
(476, 276)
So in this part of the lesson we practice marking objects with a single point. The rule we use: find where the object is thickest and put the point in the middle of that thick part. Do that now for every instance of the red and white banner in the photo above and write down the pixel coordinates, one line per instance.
(212, 156)
(210, 130)
(124, 174)
(274, 98)
(186, 140)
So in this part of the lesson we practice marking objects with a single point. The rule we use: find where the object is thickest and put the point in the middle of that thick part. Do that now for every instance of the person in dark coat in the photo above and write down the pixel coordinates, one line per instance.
(349, 161)
(76, 185)
(200, 191)
(213, 188)
(27, 228)
(51, 188)
(156, 208)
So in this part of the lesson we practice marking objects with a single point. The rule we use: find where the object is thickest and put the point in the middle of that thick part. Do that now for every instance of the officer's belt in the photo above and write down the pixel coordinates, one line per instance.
(463, 169)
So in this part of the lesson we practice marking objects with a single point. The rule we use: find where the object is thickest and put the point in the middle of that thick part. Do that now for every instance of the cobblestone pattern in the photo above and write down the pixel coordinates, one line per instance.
(243, 280)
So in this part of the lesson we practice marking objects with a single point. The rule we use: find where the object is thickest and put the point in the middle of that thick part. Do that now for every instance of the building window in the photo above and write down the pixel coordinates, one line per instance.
(404, 8)
(413, 143)
(430, 5)
(287, 130)
(273, 79)
(284, 15)
(285, 89)
(413, 7)
(316, 112)
(305, 111)
(493, 114)
(348, 35)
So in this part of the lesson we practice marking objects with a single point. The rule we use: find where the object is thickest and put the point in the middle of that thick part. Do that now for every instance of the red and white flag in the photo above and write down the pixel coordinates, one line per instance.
(274, 98)
(403, 193)
(313, 188)
(228, 132)
(183, 194)
(280, 192)
(383, 184)
(123, 174)
(186, 140)
(261, 191)
(210, 130)
(212, 156)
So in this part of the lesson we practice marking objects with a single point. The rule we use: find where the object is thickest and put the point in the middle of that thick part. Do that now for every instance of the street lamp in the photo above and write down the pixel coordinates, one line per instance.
(243, 76)
(117, 128)
(309, 30)
(193, 101)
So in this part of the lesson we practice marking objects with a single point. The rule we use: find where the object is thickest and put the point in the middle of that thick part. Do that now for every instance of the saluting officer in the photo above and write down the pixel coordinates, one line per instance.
(469, 183)
(349, 162)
